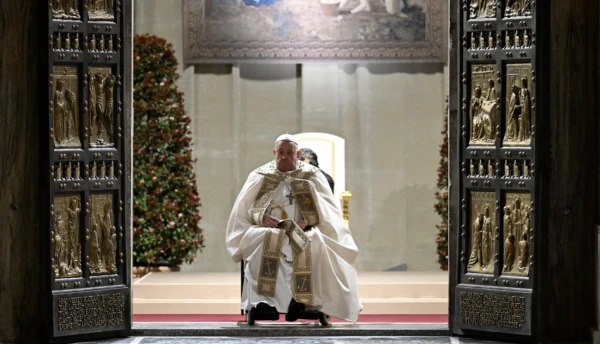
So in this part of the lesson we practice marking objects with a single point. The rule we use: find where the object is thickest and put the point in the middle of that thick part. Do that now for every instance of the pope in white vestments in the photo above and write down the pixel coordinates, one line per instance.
(288, 228)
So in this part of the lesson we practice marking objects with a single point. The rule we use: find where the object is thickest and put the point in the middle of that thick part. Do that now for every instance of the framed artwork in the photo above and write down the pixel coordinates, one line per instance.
(298, 31)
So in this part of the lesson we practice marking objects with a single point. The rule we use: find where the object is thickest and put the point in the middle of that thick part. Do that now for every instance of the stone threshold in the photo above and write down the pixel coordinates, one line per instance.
(242, 329)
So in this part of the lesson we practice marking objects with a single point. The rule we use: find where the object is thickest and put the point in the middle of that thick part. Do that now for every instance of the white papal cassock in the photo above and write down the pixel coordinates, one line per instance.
(316, 267)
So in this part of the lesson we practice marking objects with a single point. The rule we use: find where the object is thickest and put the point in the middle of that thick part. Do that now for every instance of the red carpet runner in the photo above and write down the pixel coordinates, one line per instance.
(366, 318)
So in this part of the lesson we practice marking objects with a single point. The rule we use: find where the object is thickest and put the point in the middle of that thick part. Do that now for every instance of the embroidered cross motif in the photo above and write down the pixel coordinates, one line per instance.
(290, 196)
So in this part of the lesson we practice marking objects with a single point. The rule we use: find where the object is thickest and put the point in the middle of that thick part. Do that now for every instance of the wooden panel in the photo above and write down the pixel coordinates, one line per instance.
(21, 214)
(567, 274)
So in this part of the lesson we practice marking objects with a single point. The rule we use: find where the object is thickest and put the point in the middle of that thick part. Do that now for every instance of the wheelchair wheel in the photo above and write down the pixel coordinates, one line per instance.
(324, 319)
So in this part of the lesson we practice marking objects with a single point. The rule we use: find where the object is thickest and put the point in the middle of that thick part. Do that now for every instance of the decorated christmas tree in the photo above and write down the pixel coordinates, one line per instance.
(441, 196)
(166, 201)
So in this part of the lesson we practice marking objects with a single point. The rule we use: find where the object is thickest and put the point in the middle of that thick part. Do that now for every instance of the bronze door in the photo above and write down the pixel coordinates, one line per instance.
(494, 148)
(89, 112)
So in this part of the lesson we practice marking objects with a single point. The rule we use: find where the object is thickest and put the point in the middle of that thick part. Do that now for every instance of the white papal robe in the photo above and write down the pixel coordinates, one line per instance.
(328, 259)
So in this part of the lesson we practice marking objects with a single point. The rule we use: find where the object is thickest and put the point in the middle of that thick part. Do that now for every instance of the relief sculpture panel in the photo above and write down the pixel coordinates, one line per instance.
(103, 234)
(101, 93)
(483, 9)
(516, 224)
(101, 9)
(66, 211)
(483, 108)
(65, 9)
(64, 107)
(517, 8)
(483, 233)
(518, 105)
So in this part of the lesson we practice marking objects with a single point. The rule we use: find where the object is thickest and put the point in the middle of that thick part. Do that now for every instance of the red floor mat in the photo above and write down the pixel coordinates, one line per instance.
(366, 318)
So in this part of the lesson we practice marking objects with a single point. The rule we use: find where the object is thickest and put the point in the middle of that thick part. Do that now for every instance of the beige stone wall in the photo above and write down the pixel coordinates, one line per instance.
(390, 116)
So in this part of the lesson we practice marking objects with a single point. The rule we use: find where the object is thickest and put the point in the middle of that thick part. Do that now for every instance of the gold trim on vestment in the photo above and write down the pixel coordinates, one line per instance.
(269, 265)
(305, 201)
(303, 282)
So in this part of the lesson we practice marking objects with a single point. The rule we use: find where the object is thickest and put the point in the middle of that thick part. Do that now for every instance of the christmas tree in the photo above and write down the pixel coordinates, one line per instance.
(441, 196)
(166, 201)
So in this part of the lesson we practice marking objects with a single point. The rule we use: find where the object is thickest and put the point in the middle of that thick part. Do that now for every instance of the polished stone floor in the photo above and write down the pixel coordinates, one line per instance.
(292, 340)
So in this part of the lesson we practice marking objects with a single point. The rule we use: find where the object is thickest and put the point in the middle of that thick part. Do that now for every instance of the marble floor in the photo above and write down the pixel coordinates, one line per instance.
(292, 340)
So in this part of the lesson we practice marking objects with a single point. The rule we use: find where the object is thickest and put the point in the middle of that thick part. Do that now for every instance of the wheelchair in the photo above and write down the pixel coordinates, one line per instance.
(296, 311)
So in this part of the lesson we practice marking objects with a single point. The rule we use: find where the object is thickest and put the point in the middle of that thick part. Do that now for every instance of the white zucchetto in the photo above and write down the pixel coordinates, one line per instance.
(286, 137)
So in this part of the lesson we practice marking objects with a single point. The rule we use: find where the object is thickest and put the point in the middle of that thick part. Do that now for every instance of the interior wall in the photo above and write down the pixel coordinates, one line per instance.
(391, 116)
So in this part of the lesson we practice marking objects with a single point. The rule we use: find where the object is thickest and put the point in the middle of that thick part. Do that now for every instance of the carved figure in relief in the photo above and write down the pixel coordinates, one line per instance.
(481, 168)
(95, 256)
(517, 217)
(59, 171)
(93, 42)
(110, 43)
(92, 102)
(108, 229)
(76, 42)
(491, 41)
(71, 108)
(472, 168)
(514, 112)
(508, 222)
(66, 133)
(524, 254)
(58, 243)
(99, 80)
(110, 105)
(68, 171)
(65, 9)
(481, 41)
(58, 41)
(476, 101)
(482, 117)
(59, 111)
(517, 40)
(67, 42)
(101, 43)
(94, 170)
(476, 233)
(73, 212)
(516, 172)
(103, 170)
(473, 41)
(507, 43)
(509, 252)
(111, 170)
(506, 169)
(525, 170)
(525, 118)
(526, 39)
(490, 169)
(77, 171)
(102, 85)
(487, 241)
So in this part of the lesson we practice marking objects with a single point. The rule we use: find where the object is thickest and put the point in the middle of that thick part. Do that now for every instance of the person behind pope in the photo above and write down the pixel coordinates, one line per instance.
(288, 228)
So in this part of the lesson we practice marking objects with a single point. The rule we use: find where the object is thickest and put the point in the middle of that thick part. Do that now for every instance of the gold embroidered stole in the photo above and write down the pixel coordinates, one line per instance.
(299, 241)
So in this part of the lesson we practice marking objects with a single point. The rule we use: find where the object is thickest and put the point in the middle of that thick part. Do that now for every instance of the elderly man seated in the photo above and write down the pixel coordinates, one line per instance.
(287, 227)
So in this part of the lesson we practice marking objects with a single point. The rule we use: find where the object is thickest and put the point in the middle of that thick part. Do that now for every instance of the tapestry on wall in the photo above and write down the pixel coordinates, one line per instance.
(228, 31)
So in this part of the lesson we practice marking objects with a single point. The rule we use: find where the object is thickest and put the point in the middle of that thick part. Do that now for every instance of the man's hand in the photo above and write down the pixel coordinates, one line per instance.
(270, 221)
(302, 224)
